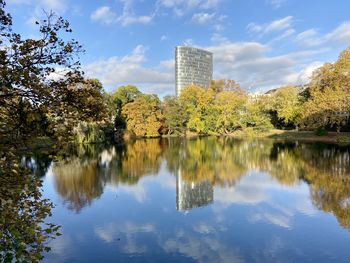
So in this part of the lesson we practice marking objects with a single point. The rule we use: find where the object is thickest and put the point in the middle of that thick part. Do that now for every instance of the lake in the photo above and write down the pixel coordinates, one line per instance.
(199, 200)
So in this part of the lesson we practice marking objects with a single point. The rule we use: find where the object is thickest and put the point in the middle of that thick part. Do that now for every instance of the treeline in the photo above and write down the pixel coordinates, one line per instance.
(44, 93)
(225, 108)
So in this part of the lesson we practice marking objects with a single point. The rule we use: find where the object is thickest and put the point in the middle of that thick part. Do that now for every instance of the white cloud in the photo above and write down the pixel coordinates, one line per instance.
(208, 4)
(129, 19)
(181, 7)
(341, 34)
(309, 38)
(274, 26)
(202, 18)
(168, 64)
(129, 69)
(275, 3)
(285, 34)
(251, 65)
(304, 75)
(58, 6)
(200, 12)
(188, 42)
(104, 14)
(163, 38)
(218, 38)
(190, 4)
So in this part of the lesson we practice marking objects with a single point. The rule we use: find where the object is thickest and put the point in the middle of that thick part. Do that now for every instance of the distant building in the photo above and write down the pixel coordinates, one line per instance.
(192, 66)
(190, 195)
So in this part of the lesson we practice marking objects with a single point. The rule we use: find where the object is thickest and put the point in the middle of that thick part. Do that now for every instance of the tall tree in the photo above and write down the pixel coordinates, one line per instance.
(119, 98)
(174, 116)
(125, 94)
(200, 109)
(329, 102)
(42, 73)
(143, 116)
(287, 104)
(231, 107)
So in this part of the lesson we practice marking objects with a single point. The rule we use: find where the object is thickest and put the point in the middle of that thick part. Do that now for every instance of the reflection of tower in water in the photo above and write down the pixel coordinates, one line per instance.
(190, 195)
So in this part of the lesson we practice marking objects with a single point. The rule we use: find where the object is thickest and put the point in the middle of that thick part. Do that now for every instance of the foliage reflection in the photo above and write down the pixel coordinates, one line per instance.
(24, 232)
(217, 161)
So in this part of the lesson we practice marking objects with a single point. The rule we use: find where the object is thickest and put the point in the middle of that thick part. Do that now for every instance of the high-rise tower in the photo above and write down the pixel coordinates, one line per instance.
(192, 66)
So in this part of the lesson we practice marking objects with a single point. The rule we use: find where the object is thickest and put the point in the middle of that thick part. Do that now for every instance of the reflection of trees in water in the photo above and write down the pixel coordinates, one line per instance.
(330, 181)
(23, 234)
(140, 158)
(204, 159)
(223, 161)
(326, 168)
(81, 179)
(38, 163)
(219, 161)
(78, 182)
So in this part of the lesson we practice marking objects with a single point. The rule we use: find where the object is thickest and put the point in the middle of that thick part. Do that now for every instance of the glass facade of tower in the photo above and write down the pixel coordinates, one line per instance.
(192, 66)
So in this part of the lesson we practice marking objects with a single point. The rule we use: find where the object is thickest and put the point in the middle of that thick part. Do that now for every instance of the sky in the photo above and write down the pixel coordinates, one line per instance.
(262, 44)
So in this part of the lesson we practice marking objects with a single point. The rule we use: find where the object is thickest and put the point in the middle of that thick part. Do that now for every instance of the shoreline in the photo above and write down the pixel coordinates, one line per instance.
(342, 138)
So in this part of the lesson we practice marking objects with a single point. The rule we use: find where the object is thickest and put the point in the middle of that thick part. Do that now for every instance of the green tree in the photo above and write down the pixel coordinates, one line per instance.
(125, 94)
(119, 98)
(174, 116)
(287, 104)
(231, 106)
(255, 114)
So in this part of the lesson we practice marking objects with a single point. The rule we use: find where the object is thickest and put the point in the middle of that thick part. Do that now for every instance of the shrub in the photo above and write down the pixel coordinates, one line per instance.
(321, 132)
(92, 133)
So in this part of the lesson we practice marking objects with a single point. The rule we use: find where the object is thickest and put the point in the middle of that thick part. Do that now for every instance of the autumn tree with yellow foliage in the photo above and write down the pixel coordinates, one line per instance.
(329, 102)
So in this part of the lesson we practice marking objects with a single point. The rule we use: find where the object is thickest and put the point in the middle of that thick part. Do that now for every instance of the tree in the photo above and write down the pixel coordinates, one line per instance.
(119, 98)
(287, 104)
(174, 115)
(231, 108)
(125, 94)
(44, 74)
(255, 114)
(329, 102)
(225, 85)
(143, 116)
(200, 109)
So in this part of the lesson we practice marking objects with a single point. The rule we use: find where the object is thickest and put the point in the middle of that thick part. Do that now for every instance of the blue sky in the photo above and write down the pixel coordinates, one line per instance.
(262, 44)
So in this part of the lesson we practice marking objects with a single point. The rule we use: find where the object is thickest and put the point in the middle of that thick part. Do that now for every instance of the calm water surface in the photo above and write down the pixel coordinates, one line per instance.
(201, 200)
